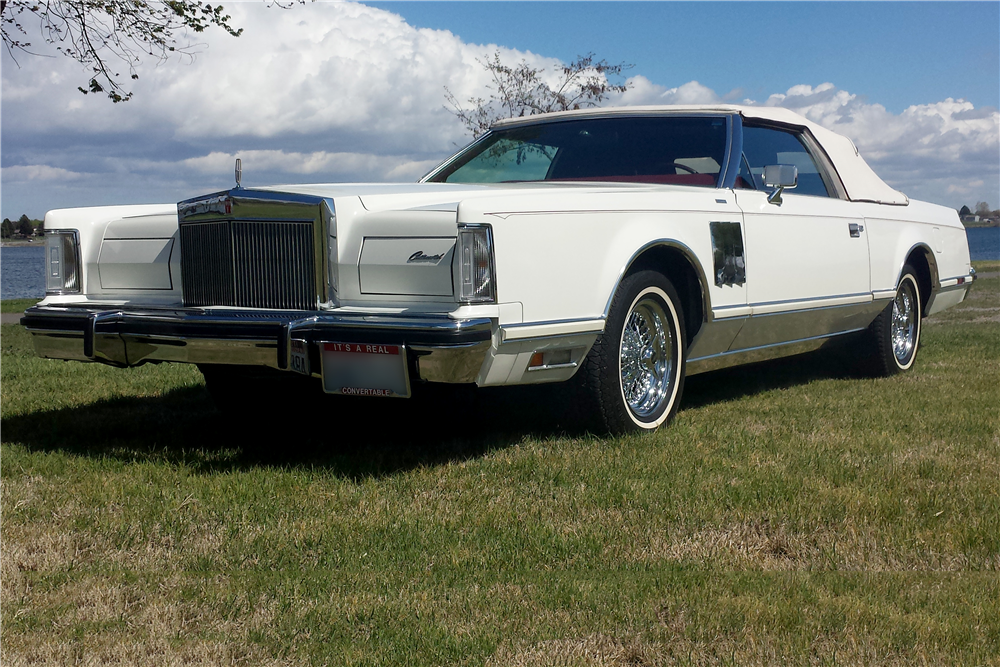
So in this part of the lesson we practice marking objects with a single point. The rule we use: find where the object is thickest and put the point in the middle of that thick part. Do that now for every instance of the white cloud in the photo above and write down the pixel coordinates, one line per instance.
(946, 152)
(929, 151)
(381, 167)
(342, 91)
(642, 91)
(37, 172)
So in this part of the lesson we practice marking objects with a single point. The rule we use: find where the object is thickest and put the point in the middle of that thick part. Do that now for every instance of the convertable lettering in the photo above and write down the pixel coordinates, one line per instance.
(362, 391)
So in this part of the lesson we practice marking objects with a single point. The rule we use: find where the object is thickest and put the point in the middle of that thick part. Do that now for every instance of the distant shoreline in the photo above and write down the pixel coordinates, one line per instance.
(23, 243)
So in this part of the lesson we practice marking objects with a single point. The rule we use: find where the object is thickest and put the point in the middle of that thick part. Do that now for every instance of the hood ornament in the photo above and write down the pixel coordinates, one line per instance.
(239, 173)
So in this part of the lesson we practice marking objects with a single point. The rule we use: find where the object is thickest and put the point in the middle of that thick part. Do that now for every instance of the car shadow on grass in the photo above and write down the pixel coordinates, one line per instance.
(741, 381)
(355, 438)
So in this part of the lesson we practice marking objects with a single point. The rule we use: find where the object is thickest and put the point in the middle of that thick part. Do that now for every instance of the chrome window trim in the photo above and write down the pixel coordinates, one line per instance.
(827, 173)
(528, 120)
(734, 147)
(457, 156)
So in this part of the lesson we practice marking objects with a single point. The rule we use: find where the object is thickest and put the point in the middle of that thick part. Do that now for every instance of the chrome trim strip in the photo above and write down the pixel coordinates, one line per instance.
(552, 367)
(457, 156)
(812, 300)
(952, 288)
(741, 311)
(968, 278)
(546, 322)
(761, 353)
(530, 330)
(689, 255)
(734, 152)
(150, 330)
(882, 294)
(234, 316)
(565, 116)
(778, 327)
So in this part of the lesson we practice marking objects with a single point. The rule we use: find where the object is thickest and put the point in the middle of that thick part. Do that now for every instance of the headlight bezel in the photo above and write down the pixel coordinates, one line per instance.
(63, 273)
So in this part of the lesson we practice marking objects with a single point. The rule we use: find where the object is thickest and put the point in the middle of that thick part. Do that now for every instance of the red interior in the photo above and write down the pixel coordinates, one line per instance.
(676, 179)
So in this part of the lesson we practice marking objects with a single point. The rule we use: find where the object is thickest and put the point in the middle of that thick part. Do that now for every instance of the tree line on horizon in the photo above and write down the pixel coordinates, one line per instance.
(982, 210)
(23, 226)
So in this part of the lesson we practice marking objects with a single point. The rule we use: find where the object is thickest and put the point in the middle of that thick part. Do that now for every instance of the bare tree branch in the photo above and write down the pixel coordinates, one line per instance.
(97, 33)
(521, 91)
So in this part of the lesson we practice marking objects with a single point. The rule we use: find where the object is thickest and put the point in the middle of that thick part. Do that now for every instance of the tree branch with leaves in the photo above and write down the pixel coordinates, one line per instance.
(108, 34)
(521, 90)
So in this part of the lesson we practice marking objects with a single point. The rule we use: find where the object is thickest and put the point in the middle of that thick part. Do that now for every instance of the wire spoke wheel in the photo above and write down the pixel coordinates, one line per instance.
(903, 332)
(893, 338)
(647, 357)
(632, 379)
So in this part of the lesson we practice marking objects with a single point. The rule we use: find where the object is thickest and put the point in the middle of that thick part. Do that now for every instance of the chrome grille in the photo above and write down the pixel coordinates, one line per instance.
(250, 264)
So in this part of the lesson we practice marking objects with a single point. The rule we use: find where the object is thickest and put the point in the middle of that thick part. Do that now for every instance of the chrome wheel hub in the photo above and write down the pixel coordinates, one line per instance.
(646, 357)
(903, 331)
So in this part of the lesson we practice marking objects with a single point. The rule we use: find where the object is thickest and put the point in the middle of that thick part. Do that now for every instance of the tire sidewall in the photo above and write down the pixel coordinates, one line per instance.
(908, 278)
(640, 286)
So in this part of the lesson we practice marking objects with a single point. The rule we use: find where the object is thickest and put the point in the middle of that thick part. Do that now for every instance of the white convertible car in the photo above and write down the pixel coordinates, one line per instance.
(615, 250)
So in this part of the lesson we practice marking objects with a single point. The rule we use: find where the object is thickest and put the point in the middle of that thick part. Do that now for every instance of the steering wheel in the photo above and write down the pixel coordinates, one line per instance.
(678, 165)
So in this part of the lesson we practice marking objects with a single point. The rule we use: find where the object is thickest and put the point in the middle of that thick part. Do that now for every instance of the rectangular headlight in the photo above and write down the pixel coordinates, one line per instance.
(476, 267)
(62, 262)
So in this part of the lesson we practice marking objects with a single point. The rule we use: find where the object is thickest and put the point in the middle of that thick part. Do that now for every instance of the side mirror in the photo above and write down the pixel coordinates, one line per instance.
(780, 176)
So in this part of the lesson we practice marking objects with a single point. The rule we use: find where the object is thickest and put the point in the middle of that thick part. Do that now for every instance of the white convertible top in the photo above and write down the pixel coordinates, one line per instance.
(861, 183)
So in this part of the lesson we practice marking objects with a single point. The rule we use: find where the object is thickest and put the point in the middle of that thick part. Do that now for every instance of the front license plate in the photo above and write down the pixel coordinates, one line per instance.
(299, 357)
(365, 369)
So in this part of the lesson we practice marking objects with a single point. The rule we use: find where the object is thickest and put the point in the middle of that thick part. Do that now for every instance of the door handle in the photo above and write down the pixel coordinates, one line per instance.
(856, 229)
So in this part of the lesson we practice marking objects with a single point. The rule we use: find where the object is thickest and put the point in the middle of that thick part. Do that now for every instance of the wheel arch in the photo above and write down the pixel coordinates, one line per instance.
(921, 258)
(678, 263)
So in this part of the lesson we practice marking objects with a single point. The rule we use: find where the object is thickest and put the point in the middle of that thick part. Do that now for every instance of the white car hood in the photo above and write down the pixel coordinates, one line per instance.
(446, 196)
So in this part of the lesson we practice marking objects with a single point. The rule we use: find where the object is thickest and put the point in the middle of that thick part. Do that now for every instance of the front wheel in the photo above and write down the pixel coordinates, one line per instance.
(634, 374)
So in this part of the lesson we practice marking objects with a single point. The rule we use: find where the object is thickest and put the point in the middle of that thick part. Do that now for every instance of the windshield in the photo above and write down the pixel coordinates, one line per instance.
(663, 149)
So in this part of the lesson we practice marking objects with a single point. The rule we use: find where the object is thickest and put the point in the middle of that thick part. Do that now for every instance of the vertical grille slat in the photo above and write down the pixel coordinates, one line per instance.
(249, 264)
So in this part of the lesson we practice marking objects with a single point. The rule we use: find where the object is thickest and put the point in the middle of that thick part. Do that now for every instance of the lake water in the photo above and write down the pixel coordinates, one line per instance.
(22, 273)
(984, 243)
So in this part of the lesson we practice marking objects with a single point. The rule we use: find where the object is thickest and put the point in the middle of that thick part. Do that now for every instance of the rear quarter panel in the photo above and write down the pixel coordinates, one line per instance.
(894, 231)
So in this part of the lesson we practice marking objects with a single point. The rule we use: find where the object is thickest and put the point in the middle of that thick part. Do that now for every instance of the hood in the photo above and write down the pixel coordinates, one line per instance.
(446, 196)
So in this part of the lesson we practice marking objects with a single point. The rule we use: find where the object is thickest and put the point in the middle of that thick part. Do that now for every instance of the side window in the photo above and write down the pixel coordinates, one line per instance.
(765, 145)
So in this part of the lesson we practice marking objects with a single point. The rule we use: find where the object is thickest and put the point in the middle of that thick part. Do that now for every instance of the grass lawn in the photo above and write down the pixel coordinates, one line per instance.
(791, 514)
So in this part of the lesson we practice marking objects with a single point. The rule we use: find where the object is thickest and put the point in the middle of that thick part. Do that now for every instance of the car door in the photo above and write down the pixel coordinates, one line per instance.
(806, 252)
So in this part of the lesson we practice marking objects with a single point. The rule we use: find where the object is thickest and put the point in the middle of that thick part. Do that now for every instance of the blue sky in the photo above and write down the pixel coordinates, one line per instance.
(895, 53)
(339, 92)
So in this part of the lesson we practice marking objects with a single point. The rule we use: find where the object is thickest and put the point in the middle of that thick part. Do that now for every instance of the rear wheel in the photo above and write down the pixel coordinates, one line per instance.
(634, 374)
(894, 336)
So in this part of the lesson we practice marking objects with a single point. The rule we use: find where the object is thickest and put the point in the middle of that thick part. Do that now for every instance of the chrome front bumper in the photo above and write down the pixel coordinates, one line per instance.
(441, 349)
